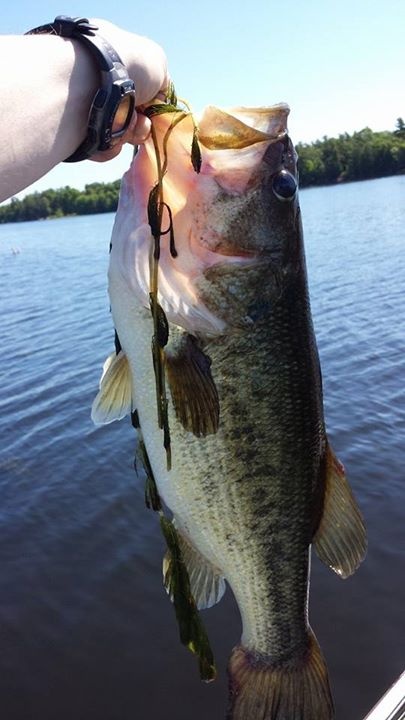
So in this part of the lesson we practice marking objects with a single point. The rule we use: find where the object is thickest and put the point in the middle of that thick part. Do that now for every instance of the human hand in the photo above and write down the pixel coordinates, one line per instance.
(147, 67)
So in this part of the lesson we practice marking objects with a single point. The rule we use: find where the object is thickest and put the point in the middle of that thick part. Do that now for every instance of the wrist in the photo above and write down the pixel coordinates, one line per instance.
(113, 104)
(144, 59)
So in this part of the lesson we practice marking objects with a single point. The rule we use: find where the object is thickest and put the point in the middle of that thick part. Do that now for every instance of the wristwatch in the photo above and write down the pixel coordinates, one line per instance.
(113, 104)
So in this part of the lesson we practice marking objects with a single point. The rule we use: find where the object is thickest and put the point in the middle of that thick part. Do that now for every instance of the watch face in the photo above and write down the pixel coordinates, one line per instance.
(122, 116)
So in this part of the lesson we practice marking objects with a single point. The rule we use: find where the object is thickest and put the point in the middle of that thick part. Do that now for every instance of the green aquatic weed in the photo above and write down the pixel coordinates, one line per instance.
(177, 581)
(155, 210)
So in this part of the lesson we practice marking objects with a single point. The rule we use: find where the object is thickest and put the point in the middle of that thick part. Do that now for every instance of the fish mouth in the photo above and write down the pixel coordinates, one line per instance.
(236, 253)
(231, 255)
(244, 257)
(219, 251)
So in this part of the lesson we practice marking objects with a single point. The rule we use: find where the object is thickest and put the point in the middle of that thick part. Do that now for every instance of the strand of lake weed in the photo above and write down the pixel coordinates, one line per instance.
(176, 578)
(156, 206)
(155, 212)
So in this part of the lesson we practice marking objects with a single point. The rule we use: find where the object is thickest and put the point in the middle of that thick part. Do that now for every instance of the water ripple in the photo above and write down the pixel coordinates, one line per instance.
(85, 621)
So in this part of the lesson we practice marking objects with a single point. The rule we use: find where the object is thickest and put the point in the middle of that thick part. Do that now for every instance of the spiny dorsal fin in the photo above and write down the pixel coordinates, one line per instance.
(340, 540)
(206, 581)
(193, 390)
(113, 401)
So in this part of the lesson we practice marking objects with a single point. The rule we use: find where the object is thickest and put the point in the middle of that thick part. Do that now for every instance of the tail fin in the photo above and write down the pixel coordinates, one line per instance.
(295, 689)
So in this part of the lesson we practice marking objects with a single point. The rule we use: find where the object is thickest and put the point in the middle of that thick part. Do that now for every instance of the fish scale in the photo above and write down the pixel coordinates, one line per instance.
(222, 484)
(269, 470)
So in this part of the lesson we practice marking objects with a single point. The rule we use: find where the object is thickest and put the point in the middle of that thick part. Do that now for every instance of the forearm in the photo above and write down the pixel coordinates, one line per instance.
(47, 93)
(46, 97)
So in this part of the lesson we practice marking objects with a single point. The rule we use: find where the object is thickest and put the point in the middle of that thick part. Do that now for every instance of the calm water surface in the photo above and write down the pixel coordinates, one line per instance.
(87, 632)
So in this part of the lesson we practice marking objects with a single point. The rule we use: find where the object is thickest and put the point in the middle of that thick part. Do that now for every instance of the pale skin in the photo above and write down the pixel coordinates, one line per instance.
(47, 93)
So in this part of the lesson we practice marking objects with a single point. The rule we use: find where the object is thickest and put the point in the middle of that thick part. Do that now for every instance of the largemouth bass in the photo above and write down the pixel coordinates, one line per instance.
(252, 481)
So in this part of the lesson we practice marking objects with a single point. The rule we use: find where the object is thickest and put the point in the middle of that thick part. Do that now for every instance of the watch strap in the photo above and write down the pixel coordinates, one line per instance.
(81, 29)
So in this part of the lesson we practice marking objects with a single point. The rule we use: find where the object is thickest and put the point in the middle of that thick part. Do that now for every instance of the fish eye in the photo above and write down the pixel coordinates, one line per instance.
(284, 185)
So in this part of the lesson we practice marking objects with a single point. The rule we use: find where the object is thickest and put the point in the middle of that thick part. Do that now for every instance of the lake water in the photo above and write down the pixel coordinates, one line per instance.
(87, 631)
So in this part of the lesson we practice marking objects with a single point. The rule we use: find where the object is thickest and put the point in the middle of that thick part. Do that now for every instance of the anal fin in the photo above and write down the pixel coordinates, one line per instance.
(207, 584)
(340, 539)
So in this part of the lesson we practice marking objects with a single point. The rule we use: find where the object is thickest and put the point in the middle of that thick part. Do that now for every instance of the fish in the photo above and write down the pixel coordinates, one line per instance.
(223, 382)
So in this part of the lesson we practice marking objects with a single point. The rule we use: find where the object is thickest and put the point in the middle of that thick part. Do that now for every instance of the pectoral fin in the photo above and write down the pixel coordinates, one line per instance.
(193, 389)
(340, 540)
(113, 401)
(207, 584)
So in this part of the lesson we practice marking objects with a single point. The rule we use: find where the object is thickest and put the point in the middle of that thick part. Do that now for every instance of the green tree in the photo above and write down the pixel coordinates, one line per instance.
(332, 163)
(400, 127)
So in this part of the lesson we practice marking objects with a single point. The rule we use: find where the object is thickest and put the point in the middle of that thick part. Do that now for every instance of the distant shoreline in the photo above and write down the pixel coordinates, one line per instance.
(344, 181)
(365, 155)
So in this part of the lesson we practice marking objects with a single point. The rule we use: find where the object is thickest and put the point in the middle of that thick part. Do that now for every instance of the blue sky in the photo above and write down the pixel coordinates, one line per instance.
(339, 65)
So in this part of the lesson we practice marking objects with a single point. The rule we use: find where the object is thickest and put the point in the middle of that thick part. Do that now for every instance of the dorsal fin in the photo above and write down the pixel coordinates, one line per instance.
(114, 399)
(340, 540)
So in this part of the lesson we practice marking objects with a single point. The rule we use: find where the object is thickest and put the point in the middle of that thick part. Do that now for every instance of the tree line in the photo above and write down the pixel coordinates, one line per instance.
(361, 156)
(95, 198)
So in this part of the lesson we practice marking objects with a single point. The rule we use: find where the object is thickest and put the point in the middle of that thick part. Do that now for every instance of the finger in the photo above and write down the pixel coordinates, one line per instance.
(137, 133)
